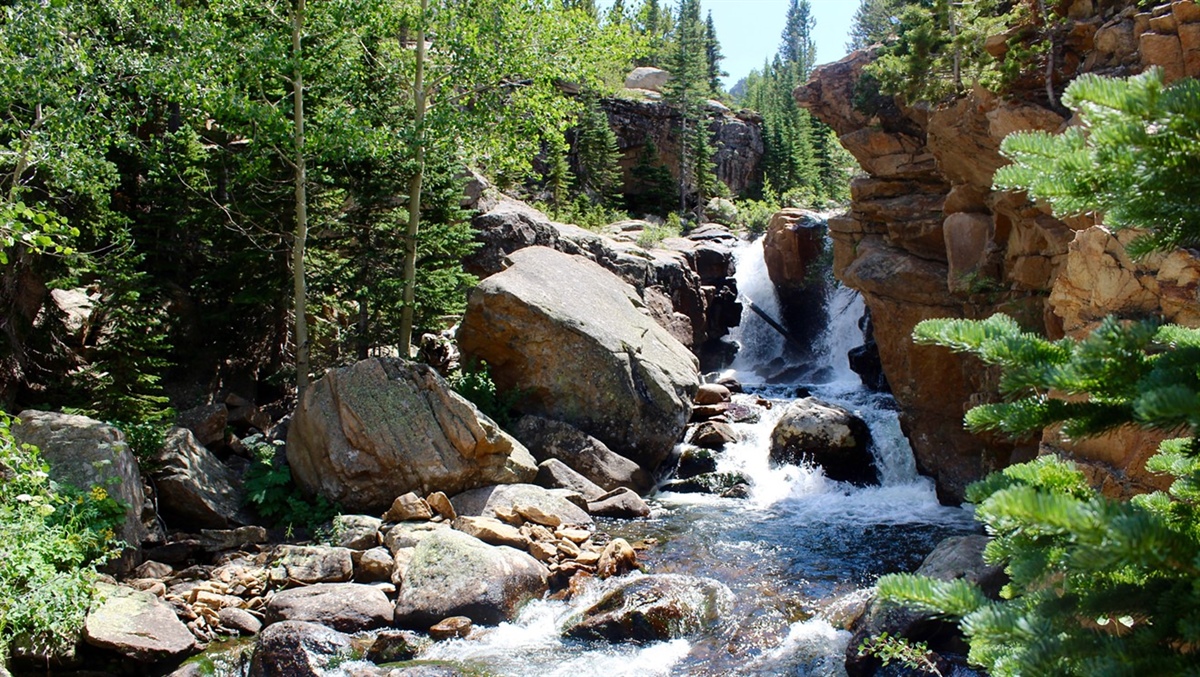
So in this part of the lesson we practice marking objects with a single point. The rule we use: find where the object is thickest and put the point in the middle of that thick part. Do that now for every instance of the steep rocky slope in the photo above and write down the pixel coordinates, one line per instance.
(926, 237)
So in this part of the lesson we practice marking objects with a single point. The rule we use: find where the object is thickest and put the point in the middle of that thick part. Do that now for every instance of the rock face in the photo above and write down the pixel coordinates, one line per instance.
(194, 488)
(653, 608)
(453, 574)
(581, 452)
(136, 624)
(792, 249)
(549, 320)
(487, 501)
(927, 237)
(86, 453)
(364, 434)
(812, 431)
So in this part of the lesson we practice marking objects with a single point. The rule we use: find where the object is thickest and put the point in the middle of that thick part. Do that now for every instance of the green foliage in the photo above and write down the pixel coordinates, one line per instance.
(583, 212)
(52, 538)
(874, 22)
(688, 90)
(650, 237)
(474, 382)
(912, 655)
(1098, 586)
(272, 493)
(145, 439)
(657, 190)
(1133, 158)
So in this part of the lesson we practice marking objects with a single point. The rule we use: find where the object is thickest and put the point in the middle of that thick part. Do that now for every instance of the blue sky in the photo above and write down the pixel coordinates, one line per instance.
(749, 30)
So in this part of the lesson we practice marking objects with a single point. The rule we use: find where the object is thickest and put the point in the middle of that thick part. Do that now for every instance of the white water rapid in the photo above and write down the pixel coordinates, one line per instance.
(799, 545)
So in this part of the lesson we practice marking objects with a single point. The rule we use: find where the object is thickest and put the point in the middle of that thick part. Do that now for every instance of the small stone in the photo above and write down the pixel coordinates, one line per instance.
(575, 535)
(620, 503)
(374, 565)
(455, 626)
(544, 552)
(152, 569)
(357, 532)
(505, 513)
(618, 558)
(568, 548)
(408, 508)
(537, 515)
(239, 620)
(441, 505)
(395, 646)
(492, 531)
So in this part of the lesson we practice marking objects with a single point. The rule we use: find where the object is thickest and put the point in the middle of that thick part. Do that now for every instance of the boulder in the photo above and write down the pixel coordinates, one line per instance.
(647, 77)
(298, 649)
(356, 532)
(707, 483)
(454, 574)
(408, 508)
(713, 435)
(239, 620)
(207, 422)
(136, 624)
(346, 607)
(582, 453)
(449, 628)
(695, 461)
(374, 565)
(812, 431)
(552, 318)
(712, 393)
(86, 453)
(313, 563)
(617, 558)
(554, 474)
(409, 534)
(492, 531)
(195, 489)
(620, 503)
(653, 608)
(367, 433)
(487, 501)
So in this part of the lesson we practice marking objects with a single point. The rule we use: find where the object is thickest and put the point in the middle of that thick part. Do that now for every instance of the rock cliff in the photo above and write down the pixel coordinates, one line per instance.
(926, 237)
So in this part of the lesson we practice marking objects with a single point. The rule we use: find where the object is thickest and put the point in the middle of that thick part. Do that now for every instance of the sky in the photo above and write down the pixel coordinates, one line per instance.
(749, 30)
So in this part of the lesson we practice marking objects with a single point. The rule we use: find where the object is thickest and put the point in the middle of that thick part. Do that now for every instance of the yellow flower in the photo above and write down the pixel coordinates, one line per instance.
(99, 494)
(108, 534)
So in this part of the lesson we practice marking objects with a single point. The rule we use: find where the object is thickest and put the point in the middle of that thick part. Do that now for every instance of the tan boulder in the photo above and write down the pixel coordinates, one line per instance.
(408, 508)
(364, 434)
(569, 336)
(793, 244)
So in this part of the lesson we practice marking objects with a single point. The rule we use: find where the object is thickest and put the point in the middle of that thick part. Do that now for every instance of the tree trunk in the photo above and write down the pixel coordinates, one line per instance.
(414, 190)
(300, 239)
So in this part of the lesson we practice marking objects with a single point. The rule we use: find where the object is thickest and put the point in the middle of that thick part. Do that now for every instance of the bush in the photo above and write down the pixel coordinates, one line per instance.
(272, 493)
(1099, 586)
(474, 382)
(52, 538)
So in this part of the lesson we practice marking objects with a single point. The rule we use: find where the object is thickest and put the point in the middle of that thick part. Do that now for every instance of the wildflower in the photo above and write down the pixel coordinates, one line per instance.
(99, 494)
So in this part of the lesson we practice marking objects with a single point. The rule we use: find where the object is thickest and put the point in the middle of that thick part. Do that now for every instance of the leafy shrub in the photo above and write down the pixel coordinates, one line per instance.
(474, 382)
(650, 237)
(1099, 586)
(52, 538)
(272, 493)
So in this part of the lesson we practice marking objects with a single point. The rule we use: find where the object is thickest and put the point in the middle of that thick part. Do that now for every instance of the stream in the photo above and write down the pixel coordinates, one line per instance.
(795, 546)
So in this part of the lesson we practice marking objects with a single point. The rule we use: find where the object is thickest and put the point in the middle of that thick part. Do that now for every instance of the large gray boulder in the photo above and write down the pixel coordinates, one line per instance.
(454, 574)
(196, 490)
(518, 499)
(653, 608)
(647, 77)
(812, 431)
(346, 607)
(136, 624)
(299, 649)
(582, 453)
(365, 434)
(86, 453)
(571, 338)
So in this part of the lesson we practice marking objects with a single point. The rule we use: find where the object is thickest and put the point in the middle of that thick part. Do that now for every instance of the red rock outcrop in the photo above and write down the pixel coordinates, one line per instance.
(927, 237)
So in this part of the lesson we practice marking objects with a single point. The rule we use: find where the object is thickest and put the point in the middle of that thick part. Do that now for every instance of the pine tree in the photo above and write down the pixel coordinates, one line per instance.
(874, 22)
(712, 49)
(597, 153)
(687, 92)
(797, 46)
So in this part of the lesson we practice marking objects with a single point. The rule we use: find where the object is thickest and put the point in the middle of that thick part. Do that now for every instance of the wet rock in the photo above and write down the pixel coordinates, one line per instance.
(298, 649)
(408, 508)
(346, 607)
(620, 503)
(314, 564)
(367, 433)
(449, 628)
(554, 474)
(453, 574)
(356, 532)
(394, 646)
(195, 490)
(707, 483)
(739, 490)
(487, 501)
(695, 461)
(617, 558)
(653, 608)
(136, 624)
(812, 431)
(239, 620)
(86, 453)
(712, 393)
(551, 317)
(713, 435)
(547, 439)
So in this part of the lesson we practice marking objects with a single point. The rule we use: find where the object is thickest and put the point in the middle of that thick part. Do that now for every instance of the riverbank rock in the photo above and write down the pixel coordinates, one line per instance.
(312, 564)
(520, 499)
(554, 474)
(653, 608)
(136, 624)
(298, 649)
(86, 453)
(365, 434)
(620, 503)
(812, 431)
(570, 337)
(195, 489)
(346, 607)
(582, 453)
(454, 574)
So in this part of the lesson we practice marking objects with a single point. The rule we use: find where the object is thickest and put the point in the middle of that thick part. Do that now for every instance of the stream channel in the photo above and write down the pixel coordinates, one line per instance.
(797, 544)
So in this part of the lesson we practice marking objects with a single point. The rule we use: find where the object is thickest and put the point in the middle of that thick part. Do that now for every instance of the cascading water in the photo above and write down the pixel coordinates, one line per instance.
(799, 543)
